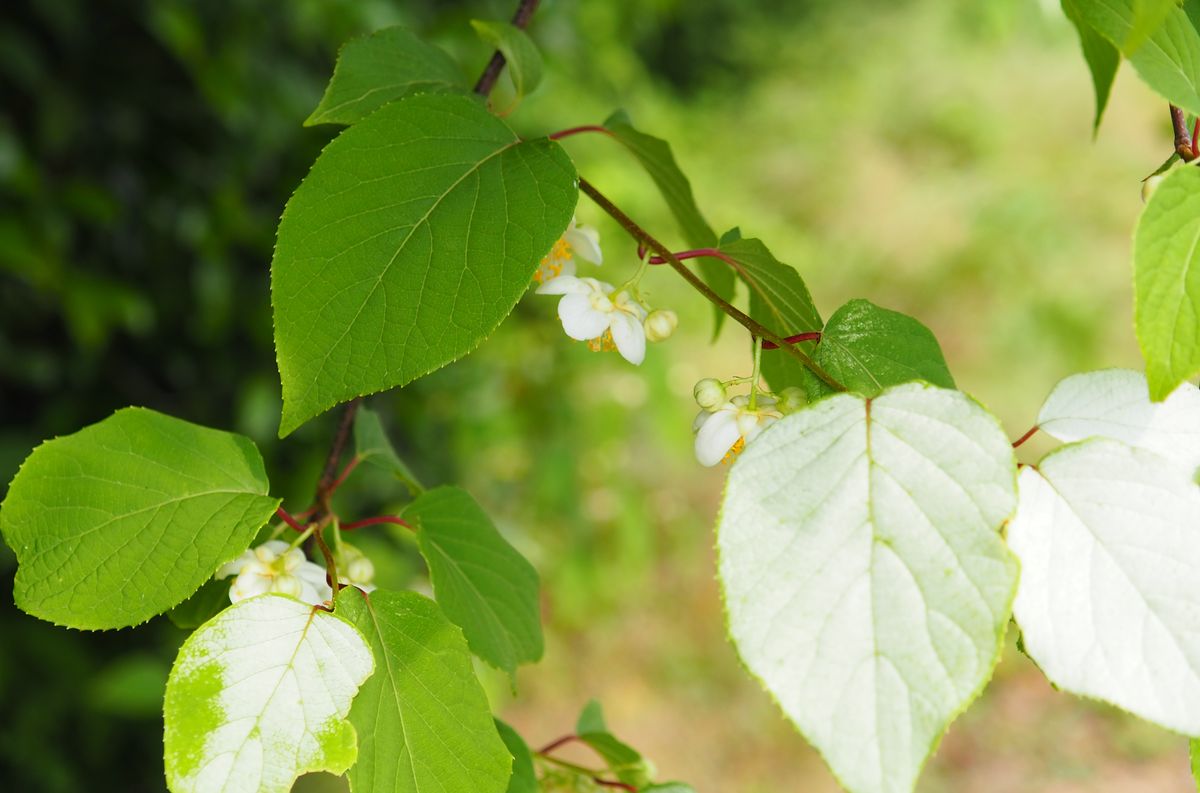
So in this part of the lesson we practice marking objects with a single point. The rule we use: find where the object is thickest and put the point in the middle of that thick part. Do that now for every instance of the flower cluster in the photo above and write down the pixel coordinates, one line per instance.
(605, 317)
(275, 566)
(725, 425)
(278, 567)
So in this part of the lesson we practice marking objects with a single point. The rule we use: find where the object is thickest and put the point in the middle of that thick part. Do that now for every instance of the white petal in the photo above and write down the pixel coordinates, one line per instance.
(248, 585)
(287, 585)
(716, 437)
(235, 567)
(580, 320)
(565, 284)
(585, 241)
(698, 422)
(629, 336)
(313, 574)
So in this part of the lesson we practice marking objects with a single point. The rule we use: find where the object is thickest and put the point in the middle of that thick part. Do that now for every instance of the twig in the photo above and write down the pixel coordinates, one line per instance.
(491, 72)
(756, 329)
(1183, 141)
(329, 481)
(358, 524)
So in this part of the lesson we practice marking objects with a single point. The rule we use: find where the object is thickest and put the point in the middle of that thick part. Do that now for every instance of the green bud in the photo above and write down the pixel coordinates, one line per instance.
(709, 393)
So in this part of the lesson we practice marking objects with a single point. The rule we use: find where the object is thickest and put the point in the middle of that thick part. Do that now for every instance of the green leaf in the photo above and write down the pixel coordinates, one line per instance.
(207, 602)
(868, 348)
(523, 779)
(621, 758)
(412, 237)
(1148, 16)
(128, 517)
(422, 719)
(372, 446)
(521, 55)
(1194, 761)
(482, 583)
(260, 695)
(1168, 61)
(1166, 270)
(780, 301)
(656, 158)
(1101, 56)
(387, 65)
(1108, 537)
(865, 578)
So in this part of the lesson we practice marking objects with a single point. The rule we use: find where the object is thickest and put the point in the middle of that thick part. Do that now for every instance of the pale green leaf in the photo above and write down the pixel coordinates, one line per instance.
(1115, 403)
(868, 348)
(1102, 58)
(655, 156)
(412, 237)
(1109, 542)
(1166, 270)
(779, 300)
(372, 446)
(523, 779)
(864, 575)
(260, 695)
(423, 720)
(621, 759)
(1168, 60)
(521, 55)
(1194, 761)
(128, 517)
(387, 65)
(482, 583)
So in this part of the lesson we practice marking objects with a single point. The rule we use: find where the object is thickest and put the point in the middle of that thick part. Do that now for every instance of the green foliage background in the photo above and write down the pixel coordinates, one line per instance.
(932, 157)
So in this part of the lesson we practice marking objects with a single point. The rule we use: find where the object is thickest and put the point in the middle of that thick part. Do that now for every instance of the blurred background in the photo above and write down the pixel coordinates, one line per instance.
(936, 158)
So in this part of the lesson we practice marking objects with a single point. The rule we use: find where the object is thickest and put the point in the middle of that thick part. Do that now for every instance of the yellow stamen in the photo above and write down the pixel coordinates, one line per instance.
(734, 451)
(553, 262)
(603, 343)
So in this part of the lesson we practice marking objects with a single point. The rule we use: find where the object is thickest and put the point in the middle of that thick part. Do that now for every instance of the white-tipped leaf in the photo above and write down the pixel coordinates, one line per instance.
(864, 574)
(1109, 601)
(259, 695)
(1115, 403)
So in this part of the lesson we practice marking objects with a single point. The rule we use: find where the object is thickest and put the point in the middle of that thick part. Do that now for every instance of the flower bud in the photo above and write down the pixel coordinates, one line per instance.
(1150, 184)
(709, 393)
(660, 324)
(360, 571)
(791, 399)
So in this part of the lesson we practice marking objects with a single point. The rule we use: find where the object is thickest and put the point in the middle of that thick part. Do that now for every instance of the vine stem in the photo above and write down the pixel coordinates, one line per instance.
(329, 479)
(566, 133)
(1017, 443)
(756, 329)
(358, 524)
(491, 72)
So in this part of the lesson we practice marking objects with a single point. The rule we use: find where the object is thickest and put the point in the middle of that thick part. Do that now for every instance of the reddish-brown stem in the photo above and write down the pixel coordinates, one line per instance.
(287, 518)
(1196, 138)
(557, 742)
(350, 466)
(613, 783)
(696, 254)
(491, 72)
(1185, 145)
(1017, 443)
(812, 335)
(331, 573)
(325, 485)
(566, 133)
(358, 524)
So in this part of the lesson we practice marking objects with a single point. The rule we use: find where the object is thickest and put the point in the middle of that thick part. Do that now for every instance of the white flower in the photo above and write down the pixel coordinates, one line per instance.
(591, 312)
(275, 566)
(722, 433)
(576, 240)
(357, 569)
